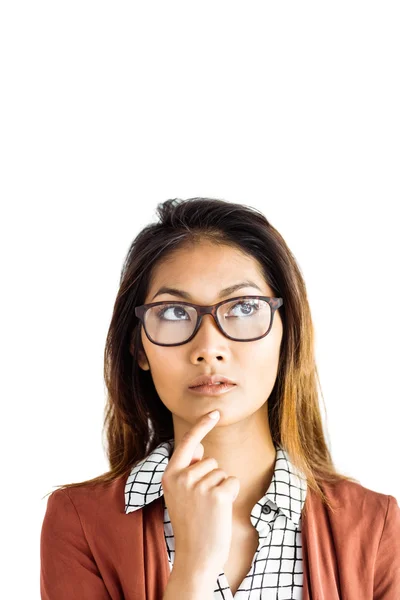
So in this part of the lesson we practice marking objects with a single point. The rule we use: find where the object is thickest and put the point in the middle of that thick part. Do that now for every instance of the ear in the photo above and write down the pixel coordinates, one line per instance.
(142, 361)
(142, 358)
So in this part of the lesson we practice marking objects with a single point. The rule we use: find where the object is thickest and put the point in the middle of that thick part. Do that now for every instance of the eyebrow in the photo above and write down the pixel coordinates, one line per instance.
(225, 292)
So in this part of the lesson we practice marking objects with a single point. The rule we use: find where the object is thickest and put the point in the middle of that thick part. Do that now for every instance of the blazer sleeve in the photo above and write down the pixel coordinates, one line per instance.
(67, 567)
(387, 565)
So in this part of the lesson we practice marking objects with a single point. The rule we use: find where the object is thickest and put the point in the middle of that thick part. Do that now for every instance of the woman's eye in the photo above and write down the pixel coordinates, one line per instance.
(172, 313)
(245, 308)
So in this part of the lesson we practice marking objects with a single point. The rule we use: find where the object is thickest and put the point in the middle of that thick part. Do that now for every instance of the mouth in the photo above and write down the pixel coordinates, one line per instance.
(202, 384)
(214, 379)
(212, 389)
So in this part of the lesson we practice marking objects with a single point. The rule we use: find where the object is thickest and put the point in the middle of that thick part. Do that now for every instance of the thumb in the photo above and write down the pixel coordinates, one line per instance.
(233, 483)
(198, 454)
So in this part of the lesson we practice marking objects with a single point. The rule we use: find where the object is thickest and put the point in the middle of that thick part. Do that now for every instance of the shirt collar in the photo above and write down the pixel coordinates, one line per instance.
(287, 490)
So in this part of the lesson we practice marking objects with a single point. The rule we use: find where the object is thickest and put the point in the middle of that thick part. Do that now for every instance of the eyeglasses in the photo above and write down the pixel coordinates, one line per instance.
(242, 319)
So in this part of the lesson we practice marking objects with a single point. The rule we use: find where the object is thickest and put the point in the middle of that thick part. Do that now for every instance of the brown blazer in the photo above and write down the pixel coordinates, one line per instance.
(91, 549)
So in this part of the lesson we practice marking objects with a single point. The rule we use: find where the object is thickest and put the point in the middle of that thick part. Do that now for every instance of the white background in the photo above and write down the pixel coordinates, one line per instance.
(108, 108)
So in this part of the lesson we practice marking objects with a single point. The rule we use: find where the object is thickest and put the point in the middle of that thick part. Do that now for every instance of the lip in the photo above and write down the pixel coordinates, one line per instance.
(208, 380)
(212, 390)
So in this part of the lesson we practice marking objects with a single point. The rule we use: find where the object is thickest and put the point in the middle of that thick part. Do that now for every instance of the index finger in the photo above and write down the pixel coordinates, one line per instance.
(183, 453)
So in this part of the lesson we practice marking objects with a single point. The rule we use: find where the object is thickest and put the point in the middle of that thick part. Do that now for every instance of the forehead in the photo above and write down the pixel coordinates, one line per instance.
(205, 268)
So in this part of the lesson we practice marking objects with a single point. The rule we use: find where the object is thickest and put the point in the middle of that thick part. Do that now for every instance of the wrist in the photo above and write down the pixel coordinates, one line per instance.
(194, 577)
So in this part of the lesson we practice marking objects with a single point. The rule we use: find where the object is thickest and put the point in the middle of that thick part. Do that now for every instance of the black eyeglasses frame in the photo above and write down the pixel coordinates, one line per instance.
(201, 310)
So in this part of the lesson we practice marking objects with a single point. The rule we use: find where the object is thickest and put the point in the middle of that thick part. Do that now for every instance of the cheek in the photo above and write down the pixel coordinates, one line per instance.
(169, 380)
(260, 364)
(166, 371)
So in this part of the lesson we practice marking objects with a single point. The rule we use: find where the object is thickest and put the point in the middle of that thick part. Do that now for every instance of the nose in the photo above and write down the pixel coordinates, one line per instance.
(209, 337)
(207, 324)
(208, 343)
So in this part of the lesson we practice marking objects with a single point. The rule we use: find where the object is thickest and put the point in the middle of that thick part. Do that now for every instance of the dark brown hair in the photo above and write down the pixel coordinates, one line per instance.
(136, 421)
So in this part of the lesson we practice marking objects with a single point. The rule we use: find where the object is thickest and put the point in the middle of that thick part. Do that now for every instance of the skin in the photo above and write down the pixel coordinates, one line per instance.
(241, 439)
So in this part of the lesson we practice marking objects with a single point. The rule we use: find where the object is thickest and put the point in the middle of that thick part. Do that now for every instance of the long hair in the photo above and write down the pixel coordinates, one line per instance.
(135, 419)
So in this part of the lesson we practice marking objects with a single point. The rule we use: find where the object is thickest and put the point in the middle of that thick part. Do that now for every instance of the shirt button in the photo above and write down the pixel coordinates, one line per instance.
(266, 509)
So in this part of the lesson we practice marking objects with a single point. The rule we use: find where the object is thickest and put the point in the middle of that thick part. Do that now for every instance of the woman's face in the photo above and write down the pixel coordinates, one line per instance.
(202, 271)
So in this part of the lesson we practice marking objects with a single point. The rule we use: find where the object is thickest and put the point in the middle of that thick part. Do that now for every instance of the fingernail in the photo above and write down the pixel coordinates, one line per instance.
(214, 414)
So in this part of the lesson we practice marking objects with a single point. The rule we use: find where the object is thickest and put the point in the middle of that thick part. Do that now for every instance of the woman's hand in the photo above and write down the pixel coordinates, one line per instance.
(199, 497)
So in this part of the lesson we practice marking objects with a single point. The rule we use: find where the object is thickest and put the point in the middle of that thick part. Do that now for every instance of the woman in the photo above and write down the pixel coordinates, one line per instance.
(249, 505)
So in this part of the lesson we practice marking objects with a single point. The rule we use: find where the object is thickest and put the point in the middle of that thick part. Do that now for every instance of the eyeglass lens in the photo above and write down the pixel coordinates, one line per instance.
(173, 323)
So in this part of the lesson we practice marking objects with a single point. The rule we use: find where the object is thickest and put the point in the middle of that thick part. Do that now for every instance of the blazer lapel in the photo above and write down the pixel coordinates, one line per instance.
(156, 564)
(321, 577)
